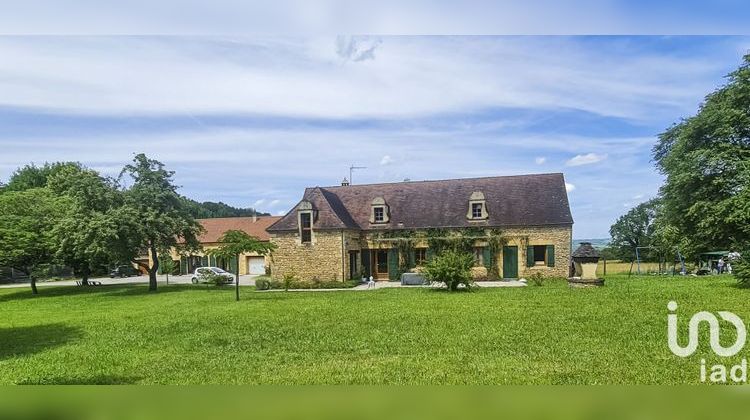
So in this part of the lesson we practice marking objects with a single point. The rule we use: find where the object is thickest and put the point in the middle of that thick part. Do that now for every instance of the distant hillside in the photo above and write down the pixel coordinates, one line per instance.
(211, 210)
(596, 243)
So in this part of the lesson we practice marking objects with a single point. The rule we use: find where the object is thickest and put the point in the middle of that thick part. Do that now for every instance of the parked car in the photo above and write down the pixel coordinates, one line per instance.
(123, 271)
(201, 274)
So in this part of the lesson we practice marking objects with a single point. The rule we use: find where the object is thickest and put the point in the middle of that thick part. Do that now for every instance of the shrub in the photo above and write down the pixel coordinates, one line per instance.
(289, 278)
(310, 284)
(536, 279)
(741, 270)
(451, 268)
(215, 279)
(277, 284)
(262, 284)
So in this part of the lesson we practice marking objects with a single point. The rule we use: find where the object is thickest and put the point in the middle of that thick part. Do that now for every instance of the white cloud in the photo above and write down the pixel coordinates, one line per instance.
(259, 203)
(407, 77)
(586, 159)
(638, 196)
(569, 187)
(357, 48)
(387, 160)
(540, 160)
(274, 203)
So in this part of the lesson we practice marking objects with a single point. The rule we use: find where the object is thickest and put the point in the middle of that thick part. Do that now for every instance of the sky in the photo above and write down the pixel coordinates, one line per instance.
(252, 120)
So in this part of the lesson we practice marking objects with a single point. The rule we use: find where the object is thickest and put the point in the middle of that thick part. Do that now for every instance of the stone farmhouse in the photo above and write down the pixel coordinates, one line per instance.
(515, 226)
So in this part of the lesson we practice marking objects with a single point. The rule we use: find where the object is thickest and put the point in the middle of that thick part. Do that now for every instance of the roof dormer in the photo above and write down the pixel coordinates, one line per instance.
(477, 207)
(379, 211)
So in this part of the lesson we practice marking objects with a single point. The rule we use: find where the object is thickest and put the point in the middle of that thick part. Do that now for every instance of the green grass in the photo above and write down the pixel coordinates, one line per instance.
(186, 334)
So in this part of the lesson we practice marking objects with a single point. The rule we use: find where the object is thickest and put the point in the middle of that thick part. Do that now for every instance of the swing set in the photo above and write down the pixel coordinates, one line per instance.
(662, 263)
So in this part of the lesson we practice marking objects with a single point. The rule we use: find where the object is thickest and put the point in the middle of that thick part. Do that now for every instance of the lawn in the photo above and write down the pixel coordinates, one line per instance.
(186, 334)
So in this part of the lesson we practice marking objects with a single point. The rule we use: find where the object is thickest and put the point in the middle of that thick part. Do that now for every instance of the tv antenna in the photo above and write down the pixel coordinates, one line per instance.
(351, 170)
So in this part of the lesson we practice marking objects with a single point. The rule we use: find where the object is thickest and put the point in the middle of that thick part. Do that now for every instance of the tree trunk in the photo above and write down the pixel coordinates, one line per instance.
(237, 281)
(153, 269)
(85, 276)
(33, 285)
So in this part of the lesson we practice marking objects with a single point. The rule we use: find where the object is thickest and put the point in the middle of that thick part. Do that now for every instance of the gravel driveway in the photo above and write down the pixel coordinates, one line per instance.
(245, 280)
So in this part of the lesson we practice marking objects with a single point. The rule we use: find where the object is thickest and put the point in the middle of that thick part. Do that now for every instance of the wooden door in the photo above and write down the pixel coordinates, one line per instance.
(381, 263)
(510, 262)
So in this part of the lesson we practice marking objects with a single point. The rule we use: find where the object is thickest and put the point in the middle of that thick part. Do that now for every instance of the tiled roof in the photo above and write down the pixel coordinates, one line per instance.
(585, 250)
(215, 228)
(521, 200)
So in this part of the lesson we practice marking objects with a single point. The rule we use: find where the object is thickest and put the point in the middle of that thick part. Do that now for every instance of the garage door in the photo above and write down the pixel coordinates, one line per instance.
(256, 265)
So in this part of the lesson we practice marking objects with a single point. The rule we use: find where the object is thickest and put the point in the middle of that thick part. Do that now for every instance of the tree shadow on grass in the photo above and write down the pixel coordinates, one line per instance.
(19, 341)
(87, 380)
(107, 290)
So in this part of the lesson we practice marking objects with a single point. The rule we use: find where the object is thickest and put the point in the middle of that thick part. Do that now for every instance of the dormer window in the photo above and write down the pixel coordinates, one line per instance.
(379, 211)
(476, 210)
(477, 207)
(305, 216)
(306, 227)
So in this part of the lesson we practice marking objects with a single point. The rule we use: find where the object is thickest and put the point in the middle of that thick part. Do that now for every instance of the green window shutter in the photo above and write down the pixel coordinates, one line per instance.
(429, 253)
(529, 256)
(212, 261)
(366, 262)
(204, 261)
(393, 264)
(183, 265)
(412, 259)
(487, 257)
(550, 255)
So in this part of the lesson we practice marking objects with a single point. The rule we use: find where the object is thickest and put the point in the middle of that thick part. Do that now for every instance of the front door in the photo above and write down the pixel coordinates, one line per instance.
(381, 263)
(510, 262)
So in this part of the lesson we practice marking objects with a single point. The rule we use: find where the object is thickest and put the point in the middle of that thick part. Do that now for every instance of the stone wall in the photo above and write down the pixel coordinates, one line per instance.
(322, 258)
(559, 236)
(327, 257)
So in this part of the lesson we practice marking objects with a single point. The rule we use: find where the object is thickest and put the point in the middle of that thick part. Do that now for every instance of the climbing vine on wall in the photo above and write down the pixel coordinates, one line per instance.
(440, 240)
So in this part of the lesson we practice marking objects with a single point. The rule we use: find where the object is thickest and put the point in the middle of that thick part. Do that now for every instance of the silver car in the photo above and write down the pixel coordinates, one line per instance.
(201, 274)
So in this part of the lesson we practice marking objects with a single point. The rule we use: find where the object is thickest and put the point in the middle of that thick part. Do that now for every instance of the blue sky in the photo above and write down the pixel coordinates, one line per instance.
(252, 120)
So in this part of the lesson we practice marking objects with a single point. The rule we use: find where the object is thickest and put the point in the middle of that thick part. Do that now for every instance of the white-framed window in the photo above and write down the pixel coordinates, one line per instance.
(476, 210)
(379, 211)
(420, 256)
(378, 214)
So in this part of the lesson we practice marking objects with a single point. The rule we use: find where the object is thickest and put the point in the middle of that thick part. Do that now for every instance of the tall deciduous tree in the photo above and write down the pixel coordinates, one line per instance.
(27, 220)
(32, 176)
(706, 161)
(82, 236)
(233, 244)
(634, 229)
(153, 217)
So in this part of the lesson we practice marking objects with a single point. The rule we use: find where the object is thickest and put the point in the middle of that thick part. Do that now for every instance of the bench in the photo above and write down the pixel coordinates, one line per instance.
(91, 283)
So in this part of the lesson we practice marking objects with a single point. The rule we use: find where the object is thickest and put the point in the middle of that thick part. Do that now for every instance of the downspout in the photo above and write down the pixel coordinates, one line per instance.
(343, 262)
